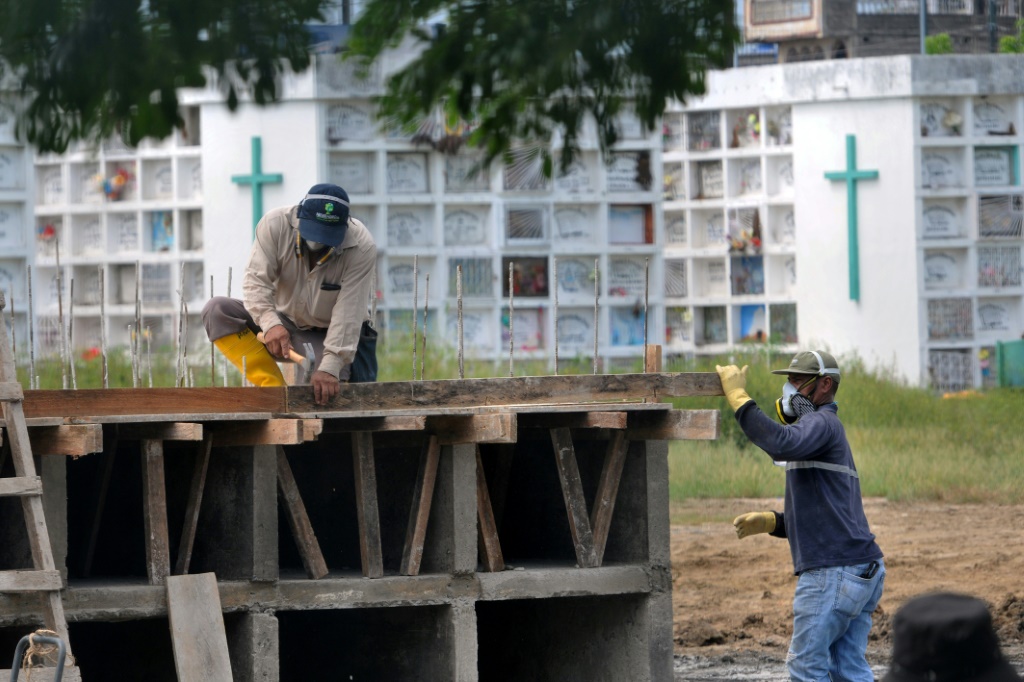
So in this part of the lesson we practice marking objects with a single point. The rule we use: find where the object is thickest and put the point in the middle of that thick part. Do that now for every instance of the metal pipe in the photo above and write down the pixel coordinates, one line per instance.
(458, 302)
(32, 379)
(554, 279)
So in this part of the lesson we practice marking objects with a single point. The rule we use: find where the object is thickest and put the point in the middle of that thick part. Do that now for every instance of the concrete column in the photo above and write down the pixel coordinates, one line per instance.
(464, 640)
(658, 610)
(254, 647)
(237, 533)
(54, 474)
(451, 532)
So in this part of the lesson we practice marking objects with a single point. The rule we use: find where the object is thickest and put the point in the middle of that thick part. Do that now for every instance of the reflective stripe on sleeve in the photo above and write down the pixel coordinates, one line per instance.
(814, 464)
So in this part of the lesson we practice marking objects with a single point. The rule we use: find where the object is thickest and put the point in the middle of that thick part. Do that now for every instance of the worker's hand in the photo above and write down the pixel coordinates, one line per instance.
(325, 387)
(278, 341)
(753, 523)
(734, 384)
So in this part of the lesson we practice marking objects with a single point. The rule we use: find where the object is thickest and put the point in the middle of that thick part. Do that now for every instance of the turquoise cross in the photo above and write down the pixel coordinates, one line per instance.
(257, 179)
(851, 175)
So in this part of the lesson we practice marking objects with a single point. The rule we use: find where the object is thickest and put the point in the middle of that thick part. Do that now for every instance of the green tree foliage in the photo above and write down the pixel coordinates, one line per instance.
(92, 67)
(938, 44)
(1013, 44)
(524, 69)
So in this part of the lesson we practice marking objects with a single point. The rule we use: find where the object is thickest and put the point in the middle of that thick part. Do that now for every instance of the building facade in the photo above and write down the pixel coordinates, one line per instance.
(813, 30)
(720, 232)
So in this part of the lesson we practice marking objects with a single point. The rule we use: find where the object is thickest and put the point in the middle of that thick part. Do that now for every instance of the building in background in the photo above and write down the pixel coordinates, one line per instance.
(722, 232)
(812, 30)
(920, 275)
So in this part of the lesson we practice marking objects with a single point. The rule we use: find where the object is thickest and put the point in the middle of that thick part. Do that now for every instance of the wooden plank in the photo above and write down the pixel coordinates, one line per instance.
(30, 581)
(479, 428)
(652, 359)
(265, 432)
(376, 424)
(20, 486)
(195, 500)
(607, 492)
(487, 529)
(160, 401)
(575, 503)
(579, 420)
(197, 629)
(298, 519)
(154, 512)
(366, 504)
(31, 505)
(187, 431)
(70, 440)
(311, 429)
(507, 391)
(419, 512)
(675, 425)
(11, 390)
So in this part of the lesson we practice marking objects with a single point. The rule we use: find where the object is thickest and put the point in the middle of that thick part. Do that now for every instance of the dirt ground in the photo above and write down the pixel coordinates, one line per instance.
(732, 598)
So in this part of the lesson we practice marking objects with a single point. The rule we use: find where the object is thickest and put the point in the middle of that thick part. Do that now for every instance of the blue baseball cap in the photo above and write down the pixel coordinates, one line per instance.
(323, 214)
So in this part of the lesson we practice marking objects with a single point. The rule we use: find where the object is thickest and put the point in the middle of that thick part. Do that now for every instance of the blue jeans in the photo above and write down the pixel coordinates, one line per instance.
(831, 621)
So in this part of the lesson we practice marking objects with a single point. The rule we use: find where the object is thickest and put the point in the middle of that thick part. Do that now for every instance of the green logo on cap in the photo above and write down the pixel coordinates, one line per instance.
(329, 207)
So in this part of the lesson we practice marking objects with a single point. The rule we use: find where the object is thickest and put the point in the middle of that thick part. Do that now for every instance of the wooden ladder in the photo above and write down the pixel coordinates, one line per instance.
(45, 579)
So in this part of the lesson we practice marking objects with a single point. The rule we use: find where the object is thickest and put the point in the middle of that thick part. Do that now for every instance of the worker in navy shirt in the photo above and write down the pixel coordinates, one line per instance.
(839, 566)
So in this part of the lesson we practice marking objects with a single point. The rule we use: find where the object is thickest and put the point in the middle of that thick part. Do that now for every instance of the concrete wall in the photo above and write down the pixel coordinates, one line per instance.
(541, 618)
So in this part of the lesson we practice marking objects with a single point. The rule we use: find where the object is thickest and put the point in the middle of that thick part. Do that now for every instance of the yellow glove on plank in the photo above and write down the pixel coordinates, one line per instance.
(753, 523)
(734, 384)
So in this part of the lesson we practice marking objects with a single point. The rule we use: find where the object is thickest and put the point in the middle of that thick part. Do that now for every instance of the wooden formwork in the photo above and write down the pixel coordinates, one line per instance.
(452, 484)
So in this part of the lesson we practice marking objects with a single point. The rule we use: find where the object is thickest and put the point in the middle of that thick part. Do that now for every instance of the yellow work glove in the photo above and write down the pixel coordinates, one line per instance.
(753, 523)
(734, 383)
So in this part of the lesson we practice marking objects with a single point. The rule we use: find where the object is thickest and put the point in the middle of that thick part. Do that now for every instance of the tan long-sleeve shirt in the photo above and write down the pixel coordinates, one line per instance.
(278, 281)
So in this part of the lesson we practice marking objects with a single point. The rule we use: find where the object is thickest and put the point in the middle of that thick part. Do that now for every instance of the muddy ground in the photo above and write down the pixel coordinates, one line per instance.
(732, 598)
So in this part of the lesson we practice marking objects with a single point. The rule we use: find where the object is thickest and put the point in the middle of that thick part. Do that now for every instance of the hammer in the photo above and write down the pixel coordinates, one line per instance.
(307, 363)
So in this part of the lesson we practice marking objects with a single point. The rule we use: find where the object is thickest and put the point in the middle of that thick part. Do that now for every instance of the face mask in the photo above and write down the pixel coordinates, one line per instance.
(313, 246)
(794, 404)
(788, 391)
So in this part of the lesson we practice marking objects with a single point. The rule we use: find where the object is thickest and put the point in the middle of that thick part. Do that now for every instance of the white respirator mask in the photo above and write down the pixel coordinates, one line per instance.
(313, 246)
(788, 391)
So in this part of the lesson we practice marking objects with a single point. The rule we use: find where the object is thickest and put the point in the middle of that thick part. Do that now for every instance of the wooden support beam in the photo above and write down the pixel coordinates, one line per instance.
(263, 432)
(366, 504)
(489, 546)
(154, 512)
(70, 440)
(311, 429)
(607, 491)
(575, 502)
(675, 425)
(20, 486)
(298, 519)
(195, 500)
(10, 391)
(99, 499)
(507, 391)
(419, 513)
(197, 628)
(160, 431)
(30, 581)
(376, 424)
(101, 402)
(477, 428)
(574, 420)
(501, 469)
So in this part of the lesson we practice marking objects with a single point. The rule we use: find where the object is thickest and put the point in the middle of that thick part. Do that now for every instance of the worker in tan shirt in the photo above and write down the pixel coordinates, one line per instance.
(308, 280)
